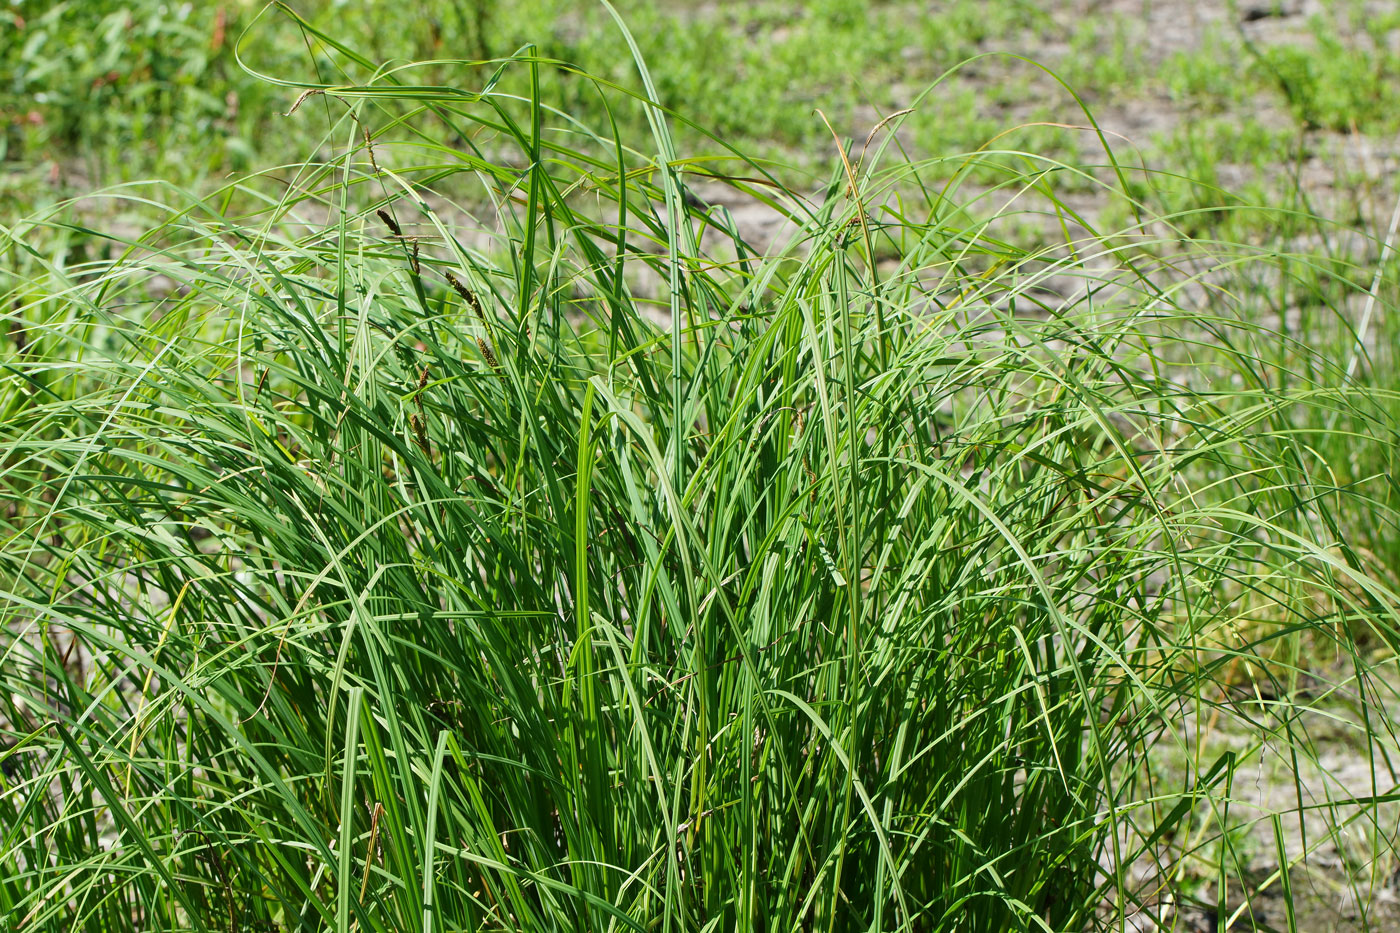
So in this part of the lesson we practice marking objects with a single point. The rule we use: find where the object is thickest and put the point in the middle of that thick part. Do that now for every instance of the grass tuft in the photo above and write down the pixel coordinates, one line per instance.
(564, 559)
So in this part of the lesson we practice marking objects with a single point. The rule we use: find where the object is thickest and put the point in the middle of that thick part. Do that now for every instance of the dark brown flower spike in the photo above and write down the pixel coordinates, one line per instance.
(466, 294)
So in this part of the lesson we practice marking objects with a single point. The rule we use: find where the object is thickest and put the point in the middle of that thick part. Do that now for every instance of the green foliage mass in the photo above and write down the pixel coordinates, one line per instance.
(580, 563)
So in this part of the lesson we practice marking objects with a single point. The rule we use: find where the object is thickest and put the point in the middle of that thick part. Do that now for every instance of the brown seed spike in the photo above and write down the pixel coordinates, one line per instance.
(420, 434)
(457, 286)
(413, 259)
(487, 354)
(389, 222)
(466, 294)
(422, 384)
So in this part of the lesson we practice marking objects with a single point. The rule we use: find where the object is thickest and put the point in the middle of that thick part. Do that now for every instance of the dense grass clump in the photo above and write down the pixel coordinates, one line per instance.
(368, 566)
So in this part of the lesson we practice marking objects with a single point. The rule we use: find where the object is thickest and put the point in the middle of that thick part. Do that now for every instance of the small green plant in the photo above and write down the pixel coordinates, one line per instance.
(1328, 87)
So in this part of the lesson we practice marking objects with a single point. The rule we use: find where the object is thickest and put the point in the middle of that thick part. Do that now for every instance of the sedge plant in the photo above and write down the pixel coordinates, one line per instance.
(562, 559)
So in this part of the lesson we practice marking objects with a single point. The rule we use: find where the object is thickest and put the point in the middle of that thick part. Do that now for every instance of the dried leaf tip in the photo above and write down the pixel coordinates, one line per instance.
(302, 99)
